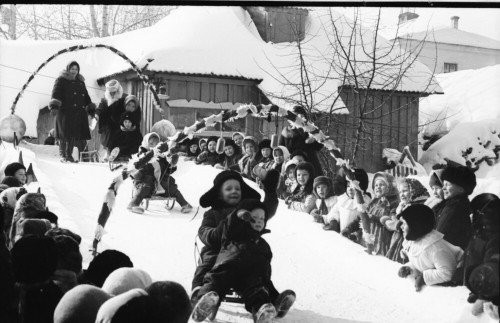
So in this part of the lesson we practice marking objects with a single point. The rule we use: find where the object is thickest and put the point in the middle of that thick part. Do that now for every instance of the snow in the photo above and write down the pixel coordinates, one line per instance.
(335, 280)
(469, 95)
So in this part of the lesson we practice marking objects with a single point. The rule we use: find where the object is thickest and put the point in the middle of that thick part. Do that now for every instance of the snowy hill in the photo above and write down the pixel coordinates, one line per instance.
(335, 280)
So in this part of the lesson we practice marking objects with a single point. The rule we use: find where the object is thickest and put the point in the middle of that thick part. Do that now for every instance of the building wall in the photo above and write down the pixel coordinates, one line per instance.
(466, 57)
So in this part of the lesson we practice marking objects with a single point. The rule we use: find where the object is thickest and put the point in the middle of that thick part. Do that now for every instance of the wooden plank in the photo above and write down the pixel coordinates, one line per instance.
(205, 92)
(403, 102)
(394, 121)
(221, 93)
(413, 126)
(193, 91)
(208, 79)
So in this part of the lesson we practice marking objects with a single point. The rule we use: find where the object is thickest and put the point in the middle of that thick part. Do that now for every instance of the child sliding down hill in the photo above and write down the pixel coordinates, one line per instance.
(243, 263)
(153, 175)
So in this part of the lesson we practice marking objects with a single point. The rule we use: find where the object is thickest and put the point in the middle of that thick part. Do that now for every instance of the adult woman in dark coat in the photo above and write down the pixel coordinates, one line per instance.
(296, 138)
(70, 103)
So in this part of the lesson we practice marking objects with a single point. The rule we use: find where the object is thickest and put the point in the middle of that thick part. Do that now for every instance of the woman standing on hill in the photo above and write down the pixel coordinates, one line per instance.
(70, 103)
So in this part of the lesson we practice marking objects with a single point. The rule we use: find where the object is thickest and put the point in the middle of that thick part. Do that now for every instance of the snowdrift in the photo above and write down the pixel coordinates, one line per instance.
(335, 280)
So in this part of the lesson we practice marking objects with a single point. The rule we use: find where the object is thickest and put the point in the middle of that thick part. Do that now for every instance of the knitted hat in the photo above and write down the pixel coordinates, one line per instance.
(484, 281)
(12, 168)
(34, 259)
(252, 204)
(300, 153)
(108, 310)
(104, 264)
(325, 181)
(124, 279)
(68, 251)
(461, 176)
(298, 109)
(131, 97)
(173, 300)
(25, 227)
(212, 138)
(420, 220)
(435, 178)
(11, 181)
(389, 181)
(211, 197)
(71, 64)
(61, 231)
(113, 86)
(47, 215)
(80, 305)
(265, 143)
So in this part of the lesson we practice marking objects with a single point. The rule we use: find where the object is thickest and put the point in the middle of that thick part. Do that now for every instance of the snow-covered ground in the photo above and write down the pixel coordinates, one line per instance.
(335, 280)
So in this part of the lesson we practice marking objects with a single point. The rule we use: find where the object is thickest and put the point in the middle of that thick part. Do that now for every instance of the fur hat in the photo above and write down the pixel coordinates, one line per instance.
(11, 181)
(420, 220)
(212, 138)
(252, 140)
(298, 109)
(80, 304)
(71, 64)
(300, 153)
(310, 169)
(47, 215)
(252, 204)
(193, 141)
(173, 300)
(211, 197)
(435, 178)
(25, 227)
(127, 116)
(104, 264)
(124, 279)
(108, 310)
(484, 282)
(325, 181)
(113, 86)
(34, 259)
(63, 232)
(265, 143)
(230, 142)
(12, 168)
(68, 251)
(389, 180)
(461, 176)
(132, 97)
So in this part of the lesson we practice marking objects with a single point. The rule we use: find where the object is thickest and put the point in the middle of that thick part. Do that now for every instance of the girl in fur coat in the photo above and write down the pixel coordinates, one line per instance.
(432, 260)
(376, 236)
(302, 198)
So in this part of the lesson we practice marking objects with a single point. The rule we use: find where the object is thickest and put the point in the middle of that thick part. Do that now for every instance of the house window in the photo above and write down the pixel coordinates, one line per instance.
(450, 67)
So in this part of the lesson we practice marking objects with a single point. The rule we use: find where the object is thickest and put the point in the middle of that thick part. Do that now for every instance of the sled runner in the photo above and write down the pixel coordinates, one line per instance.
(169, 201)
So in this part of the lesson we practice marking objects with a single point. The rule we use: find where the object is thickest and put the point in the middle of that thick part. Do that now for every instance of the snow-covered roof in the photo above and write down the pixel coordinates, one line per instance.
(454, 36)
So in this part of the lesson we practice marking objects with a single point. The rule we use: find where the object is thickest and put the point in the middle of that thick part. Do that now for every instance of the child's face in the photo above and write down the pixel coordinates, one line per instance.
(291, 174)
(20, 174)
(380, 188)
(302, 177)
(437, 191)
(193, 148)
(231, 192)
(266, 152)
(404, 193)
(229, 151)
(278, 157)
(404, 228)
(451, 190)
(152, 142)
(351, 191)
(203, 145)
(127, 124)
(259, 220)
(130, 107)
(238, 139)
(211, 146)
(249, 149)
(322, 190)
(299, 158)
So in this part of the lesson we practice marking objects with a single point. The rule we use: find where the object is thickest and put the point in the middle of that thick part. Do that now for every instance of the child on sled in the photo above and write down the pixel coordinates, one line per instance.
(153, 175)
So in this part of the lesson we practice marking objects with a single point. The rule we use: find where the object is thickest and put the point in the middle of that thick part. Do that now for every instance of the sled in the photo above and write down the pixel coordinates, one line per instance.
(117, 163)
(169, 201)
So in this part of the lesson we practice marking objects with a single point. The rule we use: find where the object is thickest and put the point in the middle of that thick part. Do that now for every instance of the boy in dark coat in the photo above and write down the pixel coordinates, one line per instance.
(229, 159)
(125, 141)
(454, 221)
(209, 156)
(243, 263)
(70, 103)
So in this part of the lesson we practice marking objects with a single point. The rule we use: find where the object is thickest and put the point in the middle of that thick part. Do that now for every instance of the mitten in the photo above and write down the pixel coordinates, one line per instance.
(90, 109)
(353, 237)
(318, 218)
(384, 219)
(271, 180)
(163, 147)
(345, 233)
(173, 159)
(419, 282)
(244, 215)
(472, 298)
(405, 271)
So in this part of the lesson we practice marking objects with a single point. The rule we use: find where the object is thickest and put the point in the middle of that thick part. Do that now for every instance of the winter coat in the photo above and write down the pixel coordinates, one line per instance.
(70, 97)
(294, 139)
(246, 165)
(108, 106)
(478, 251)
(211, 230)
(128, 140)
(243, 249)
(435, 204)
(302, 200)
(346, 211)
(207, 158)
(434, 257)
(454, 221)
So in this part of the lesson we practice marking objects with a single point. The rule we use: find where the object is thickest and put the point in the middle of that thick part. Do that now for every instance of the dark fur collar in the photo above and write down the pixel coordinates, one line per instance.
(70, 77)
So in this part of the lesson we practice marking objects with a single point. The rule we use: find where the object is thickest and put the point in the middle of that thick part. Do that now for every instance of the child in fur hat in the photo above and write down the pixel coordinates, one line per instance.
(103, 265)
(302, 198)
(325, 198)
(193, 149)
(248, 161)
(27, 206)
(228, 191)
(153, 175)
(229, 159)
(16, 170)
(80, 305)
(209, 156)
(432, 260)
(376, 236)
(243, 263)
(454, 221)
(345, 214)
(411, 191)
(125, 141)
(264, 160)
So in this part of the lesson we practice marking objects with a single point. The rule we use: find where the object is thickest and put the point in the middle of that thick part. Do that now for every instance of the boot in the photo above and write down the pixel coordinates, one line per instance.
(186, 208)
(284, 302)
(265, 314)
(205, 306)
(194, 296)
(62, 150)
(70, 143)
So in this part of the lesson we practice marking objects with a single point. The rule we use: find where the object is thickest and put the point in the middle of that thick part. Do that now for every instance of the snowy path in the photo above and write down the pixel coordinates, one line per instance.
(334, 279)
